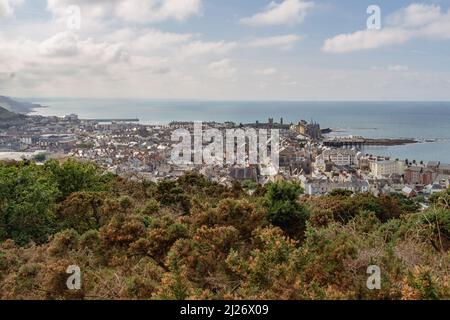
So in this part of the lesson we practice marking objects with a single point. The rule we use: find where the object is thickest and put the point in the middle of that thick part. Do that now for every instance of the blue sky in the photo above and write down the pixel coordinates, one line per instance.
(226, 49)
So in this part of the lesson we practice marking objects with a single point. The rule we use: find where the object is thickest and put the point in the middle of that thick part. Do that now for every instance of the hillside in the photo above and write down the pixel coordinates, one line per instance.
(7, 115)
(8, 118)
(195, 239)
(17, 106)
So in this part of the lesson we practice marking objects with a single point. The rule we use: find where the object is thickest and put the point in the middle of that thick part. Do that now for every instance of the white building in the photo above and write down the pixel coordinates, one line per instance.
(321, 187)
(340, 157)
(386, 168)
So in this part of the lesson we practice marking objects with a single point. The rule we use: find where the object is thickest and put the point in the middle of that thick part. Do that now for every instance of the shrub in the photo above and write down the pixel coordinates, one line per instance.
(283, 208)
(151, 207)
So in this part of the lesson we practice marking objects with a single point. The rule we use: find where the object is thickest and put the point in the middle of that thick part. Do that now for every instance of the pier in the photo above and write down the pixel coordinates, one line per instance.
(114, 120)
(343, 142)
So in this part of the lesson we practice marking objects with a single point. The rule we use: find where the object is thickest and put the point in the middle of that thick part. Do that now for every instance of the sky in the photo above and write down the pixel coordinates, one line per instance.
(226, 49)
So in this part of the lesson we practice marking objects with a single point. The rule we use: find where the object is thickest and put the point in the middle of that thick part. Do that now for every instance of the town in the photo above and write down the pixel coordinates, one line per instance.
(319, 163)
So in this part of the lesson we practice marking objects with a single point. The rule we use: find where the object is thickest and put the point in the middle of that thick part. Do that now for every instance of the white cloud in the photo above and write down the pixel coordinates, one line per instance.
(157, 10)
(398, 68)
(145, 40)
(66, 63)
(415, 15)
(108, 56)
(365, 40)
(288, 12)
(283, 42)
(137, 11)
(222, 70)
(266, 72)
(75, 51)
(130, 61)
(392, 68)
(114, 56)
(414, 21)
(7, 7)
(62, 44)
(201, 48)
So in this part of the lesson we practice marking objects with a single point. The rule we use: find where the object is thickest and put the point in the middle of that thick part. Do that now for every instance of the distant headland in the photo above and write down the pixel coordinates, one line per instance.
(17, 106)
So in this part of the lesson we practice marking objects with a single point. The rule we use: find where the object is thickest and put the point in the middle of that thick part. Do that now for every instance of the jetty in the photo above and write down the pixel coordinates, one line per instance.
(115, 120)
(342, 142)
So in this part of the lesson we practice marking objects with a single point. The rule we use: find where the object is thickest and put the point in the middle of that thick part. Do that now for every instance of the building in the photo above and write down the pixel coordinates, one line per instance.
(242, 174)
(408, 192)
(322, 186)
(71, 117)
(439, 168)
(294, 161)
(384, 168)
(340, 157)
(419, 175)
(64, 142)
(311, 130)
(433, 188)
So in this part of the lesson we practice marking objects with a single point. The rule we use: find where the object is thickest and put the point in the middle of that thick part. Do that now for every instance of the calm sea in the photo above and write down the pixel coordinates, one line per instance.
(420, 120)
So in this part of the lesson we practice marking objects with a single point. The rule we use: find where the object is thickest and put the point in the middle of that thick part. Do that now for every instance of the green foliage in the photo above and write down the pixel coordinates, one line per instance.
(343, 208)
(29, 194)
(195, 239)
(81, 211)
(438, 222)
(151, 207)
(27, 199)
(168, 193)
(441, 199)
(269, 265)
(406, 204)
(162, 233)
(283, 208)
(40, 157)
(73, 176)
(249, 185)
(126, 202)
(63, 242)
(341, 192)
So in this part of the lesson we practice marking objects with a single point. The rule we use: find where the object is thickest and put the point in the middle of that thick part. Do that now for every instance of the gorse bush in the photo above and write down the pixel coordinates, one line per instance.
(283, 207)
(29, 195)
(195, 239)
(27, 202)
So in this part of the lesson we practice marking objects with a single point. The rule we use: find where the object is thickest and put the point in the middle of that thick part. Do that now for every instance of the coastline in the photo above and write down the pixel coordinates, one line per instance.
(425, 122)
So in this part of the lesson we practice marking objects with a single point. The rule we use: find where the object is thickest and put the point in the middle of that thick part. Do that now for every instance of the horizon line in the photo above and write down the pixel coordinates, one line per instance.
(231, 100)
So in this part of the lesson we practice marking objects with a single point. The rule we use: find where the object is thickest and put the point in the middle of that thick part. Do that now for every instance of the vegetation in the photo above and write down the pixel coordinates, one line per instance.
(194, 239)
(40, 157)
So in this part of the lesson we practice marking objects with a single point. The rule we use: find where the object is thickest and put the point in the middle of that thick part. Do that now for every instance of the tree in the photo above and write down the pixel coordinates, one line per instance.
(168, 193)
(81, 211)
(151, 207)
(40, 157)
(249, 185)
(27, 199)
(73, 176)
(341, 193)
(272, 244)
(283, 208)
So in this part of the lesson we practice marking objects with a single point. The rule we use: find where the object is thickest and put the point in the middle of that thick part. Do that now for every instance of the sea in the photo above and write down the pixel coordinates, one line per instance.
(427, 122)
